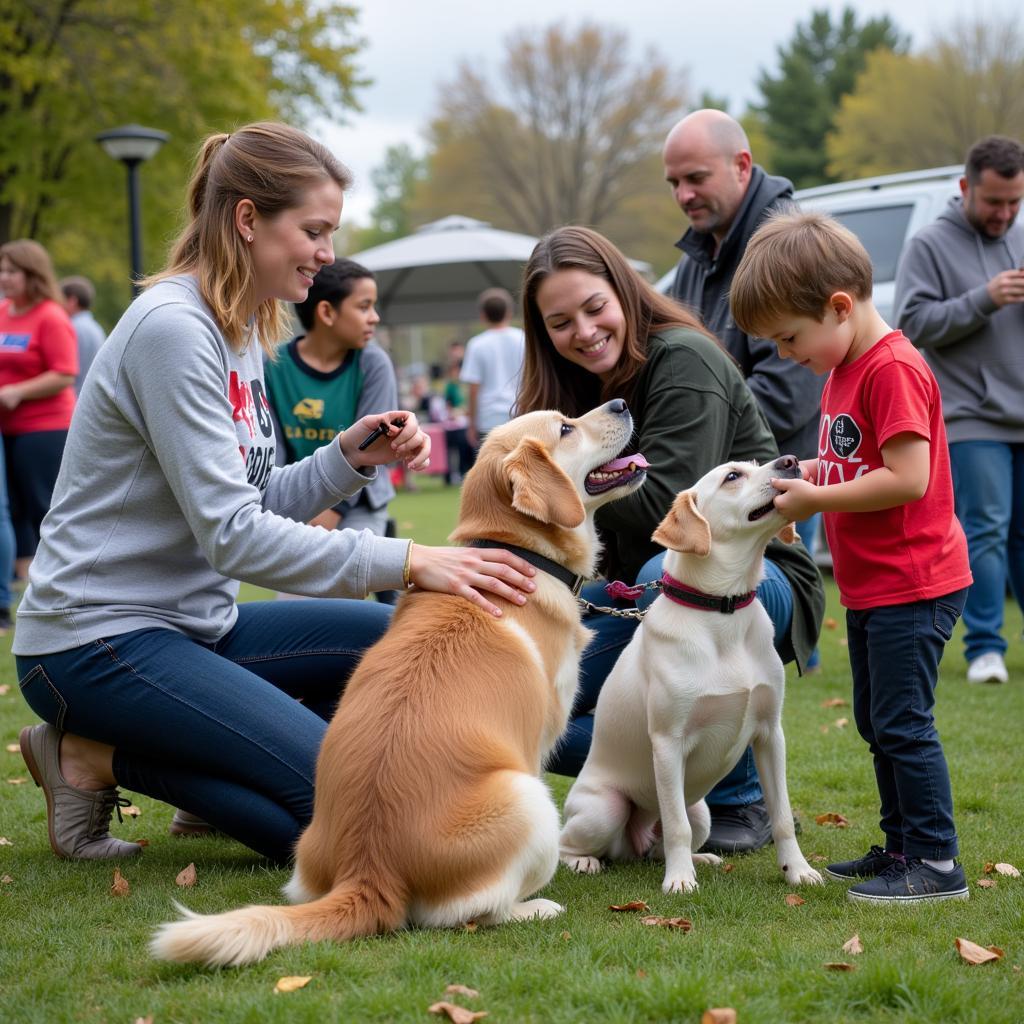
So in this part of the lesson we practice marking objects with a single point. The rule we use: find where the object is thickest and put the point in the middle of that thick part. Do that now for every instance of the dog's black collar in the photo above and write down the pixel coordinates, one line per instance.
(682, 594)
(569, 578)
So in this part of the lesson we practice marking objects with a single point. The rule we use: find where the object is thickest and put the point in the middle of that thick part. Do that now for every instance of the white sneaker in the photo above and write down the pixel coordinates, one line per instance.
(987, 668)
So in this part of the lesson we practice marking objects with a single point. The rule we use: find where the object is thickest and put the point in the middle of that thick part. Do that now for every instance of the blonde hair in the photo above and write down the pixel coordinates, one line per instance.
(34, 262)
(792, 265)
(270, 164)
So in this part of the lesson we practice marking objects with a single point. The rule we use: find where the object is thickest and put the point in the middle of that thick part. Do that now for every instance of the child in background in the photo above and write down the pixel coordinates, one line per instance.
(882, 480)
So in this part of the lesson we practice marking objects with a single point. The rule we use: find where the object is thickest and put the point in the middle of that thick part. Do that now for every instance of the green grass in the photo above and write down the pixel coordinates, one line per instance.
(69, 951)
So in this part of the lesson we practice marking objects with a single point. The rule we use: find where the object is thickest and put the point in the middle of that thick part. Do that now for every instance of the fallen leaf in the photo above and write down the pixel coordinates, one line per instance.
(843, 642)
(975, 954)
(461, 990)
(4, 841)
(720, 1015)
(457, 1014)
(839, 966)
(291, 982)
(823, 729)
(630, 908)
(841, 723)
(641, 973)
(832, 819)
(469, 926)
(728, 867)
(20, 781)
(13, 748)
(793, 900)
(131, 810)
(835, 702)
(818, 858)
(1007, 869)
(186, 878)
(830, 623)
(853, 946)
(683, 924)
(144, 1020)
(989, 867)
(4, 690)
(120, 886)
(986, 883)
(141, 842)
(566, 936)
(6, 879)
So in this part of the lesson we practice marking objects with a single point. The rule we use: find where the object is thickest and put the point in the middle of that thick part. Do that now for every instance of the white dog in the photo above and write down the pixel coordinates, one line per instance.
(698, 683)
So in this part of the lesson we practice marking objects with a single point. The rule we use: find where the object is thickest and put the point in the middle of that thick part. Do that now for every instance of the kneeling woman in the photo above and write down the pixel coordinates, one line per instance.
(596, 330)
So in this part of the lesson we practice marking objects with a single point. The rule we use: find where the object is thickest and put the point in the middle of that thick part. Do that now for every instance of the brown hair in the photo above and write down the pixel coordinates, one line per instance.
(792, 265)
(998, 153)
(495, 305)
(270, 164)
(80, 289)
(34, 262)
(549, 380)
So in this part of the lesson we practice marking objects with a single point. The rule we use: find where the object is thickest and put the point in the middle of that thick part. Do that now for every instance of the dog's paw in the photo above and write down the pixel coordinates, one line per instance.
(535, 910)
(680, 884)
(802, 874)
(584, 865)
(707, 858)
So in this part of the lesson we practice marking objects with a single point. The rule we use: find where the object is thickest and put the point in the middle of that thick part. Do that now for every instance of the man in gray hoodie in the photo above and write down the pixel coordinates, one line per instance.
(960, 298)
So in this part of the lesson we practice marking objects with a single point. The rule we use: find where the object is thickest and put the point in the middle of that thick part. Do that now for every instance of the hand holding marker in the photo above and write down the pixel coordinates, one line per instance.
(381, 431)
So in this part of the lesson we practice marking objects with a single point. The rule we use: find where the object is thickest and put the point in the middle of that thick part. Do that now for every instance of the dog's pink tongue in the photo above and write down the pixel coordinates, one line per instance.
(624, 463)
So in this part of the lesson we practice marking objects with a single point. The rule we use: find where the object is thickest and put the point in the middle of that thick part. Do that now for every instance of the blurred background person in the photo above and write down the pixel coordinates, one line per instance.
(38, 366)
(79, 295)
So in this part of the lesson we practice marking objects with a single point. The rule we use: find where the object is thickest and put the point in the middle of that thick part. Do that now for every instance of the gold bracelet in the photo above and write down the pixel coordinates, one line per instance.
(407, 568)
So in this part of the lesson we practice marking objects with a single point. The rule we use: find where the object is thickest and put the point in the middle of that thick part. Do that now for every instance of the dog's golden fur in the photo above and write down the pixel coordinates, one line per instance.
(429, 809)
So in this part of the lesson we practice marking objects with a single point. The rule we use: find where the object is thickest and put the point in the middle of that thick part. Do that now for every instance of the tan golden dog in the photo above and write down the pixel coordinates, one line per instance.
(429, 807)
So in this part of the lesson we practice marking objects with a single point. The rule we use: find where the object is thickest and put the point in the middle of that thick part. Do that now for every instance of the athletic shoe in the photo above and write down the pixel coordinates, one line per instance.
(911, 881)
(987, 668)
(874, 862)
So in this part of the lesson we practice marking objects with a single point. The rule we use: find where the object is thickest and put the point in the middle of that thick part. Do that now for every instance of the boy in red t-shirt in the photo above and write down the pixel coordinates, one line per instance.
(899, 555)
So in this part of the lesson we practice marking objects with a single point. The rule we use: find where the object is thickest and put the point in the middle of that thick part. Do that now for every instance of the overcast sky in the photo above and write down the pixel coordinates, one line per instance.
(414, 46)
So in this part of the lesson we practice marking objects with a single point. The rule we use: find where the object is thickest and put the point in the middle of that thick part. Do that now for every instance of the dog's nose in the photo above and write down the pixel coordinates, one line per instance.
(787, 465)
(618, 406)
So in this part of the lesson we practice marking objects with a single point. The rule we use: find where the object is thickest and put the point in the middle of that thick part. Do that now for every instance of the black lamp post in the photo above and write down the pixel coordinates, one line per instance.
(133, 144)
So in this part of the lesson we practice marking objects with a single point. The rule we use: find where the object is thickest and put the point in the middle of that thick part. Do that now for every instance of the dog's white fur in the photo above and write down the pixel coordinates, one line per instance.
(429, 805)
(689, 693)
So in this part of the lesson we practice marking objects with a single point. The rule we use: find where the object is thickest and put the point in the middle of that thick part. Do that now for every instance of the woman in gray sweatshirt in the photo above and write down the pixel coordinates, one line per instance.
(130, 644)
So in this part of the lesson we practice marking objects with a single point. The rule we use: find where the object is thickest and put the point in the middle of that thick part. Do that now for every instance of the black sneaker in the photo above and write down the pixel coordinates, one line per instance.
(874, 862)
(911, 881)
(738, 828)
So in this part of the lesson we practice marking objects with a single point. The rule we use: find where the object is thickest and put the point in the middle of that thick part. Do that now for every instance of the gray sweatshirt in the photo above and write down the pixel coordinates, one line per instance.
(975, 349)
(168, 493)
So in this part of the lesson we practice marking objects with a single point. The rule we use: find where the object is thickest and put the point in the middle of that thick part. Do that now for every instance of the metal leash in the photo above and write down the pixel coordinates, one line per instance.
(622, 613)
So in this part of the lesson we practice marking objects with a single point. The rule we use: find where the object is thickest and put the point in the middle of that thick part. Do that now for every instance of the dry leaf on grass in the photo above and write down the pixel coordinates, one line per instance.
(144, 1020)
(461, 990)
(186, 878)
(4, 841)
(843, 642)
(1008, 870)
(120, 886)
(4, 690)
(457, 1014)
(131, 811)
(823, 729)
(986, 883)
(470, 926)
(817, 858)
(683, 924)
(793, 900)
(20, 781)
(841, 723)
(635, 907)
(728, 867)
(13, 748)
(566, 936)
(719, 1015)
(975, 954)
(835, 702)
(839, 966)
(853, 946)
(833, 819)
(830, 623)
(292, 982)
(141, 842)
(6, 879)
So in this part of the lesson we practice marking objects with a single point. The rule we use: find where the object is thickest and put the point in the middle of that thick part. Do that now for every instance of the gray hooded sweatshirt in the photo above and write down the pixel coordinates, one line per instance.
(168, 493)
(975, 349)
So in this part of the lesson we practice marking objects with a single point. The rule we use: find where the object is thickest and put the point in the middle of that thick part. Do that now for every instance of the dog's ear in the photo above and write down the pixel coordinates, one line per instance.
(684, 528)
(787, 534)
(540, 488)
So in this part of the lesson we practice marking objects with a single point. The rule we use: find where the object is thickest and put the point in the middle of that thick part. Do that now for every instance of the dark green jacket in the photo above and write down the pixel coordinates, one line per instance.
(693, 411)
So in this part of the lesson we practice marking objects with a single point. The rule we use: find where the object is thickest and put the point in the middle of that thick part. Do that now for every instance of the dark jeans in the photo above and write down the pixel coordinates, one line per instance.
(33, 462)
(895, 652)
(229, 731)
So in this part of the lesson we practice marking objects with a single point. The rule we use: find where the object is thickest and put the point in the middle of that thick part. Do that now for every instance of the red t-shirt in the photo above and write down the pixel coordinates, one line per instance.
(911, 552)
(30, 344)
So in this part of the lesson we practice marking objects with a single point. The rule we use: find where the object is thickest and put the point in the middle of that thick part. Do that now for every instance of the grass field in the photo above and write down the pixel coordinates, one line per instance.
(72, 951)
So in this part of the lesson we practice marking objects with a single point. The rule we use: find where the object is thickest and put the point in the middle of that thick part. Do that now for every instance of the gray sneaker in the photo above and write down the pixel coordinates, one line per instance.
(911, 881)
(78, 819)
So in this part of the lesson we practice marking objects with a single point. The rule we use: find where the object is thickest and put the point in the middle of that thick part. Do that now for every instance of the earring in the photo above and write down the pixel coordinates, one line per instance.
(248, 238)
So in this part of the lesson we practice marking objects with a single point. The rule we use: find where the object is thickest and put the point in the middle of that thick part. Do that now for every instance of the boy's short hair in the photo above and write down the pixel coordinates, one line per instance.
(495, 305)
(333, 283)
(80, 289)
(997, 153)
(792, 265)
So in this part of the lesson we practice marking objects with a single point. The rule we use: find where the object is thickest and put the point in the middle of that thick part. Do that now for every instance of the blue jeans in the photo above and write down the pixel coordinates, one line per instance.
(988, 481)
(229, 731)
(6, 539)
(895, 652)
(611, 635)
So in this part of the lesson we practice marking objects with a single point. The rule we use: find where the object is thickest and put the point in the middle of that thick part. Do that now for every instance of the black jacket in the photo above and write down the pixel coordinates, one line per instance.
(789, 395)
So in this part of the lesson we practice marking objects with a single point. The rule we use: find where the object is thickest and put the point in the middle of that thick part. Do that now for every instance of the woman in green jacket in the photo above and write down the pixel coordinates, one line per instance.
(595, 330)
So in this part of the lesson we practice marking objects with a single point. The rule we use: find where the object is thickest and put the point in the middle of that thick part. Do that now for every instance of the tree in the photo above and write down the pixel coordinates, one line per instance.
(571, 133)
(926, 110)
(816, 69)
(70, 68)
(394, 182)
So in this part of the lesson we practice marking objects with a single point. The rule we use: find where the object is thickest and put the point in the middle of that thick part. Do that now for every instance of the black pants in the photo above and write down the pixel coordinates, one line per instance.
(33, 461)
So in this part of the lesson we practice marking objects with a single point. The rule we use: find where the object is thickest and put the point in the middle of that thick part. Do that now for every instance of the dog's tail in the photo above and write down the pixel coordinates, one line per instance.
(350, 910)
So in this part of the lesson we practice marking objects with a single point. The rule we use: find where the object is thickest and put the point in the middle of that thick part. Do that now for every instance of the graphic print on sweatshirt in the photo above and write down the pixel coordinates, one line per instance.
(250, 411)
(839, 441)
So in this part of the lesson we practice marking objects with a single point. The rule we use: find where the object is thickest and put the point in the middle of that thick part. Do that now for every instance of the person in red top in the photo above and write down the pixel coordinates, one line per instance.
(38, 365)
(882, 479)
